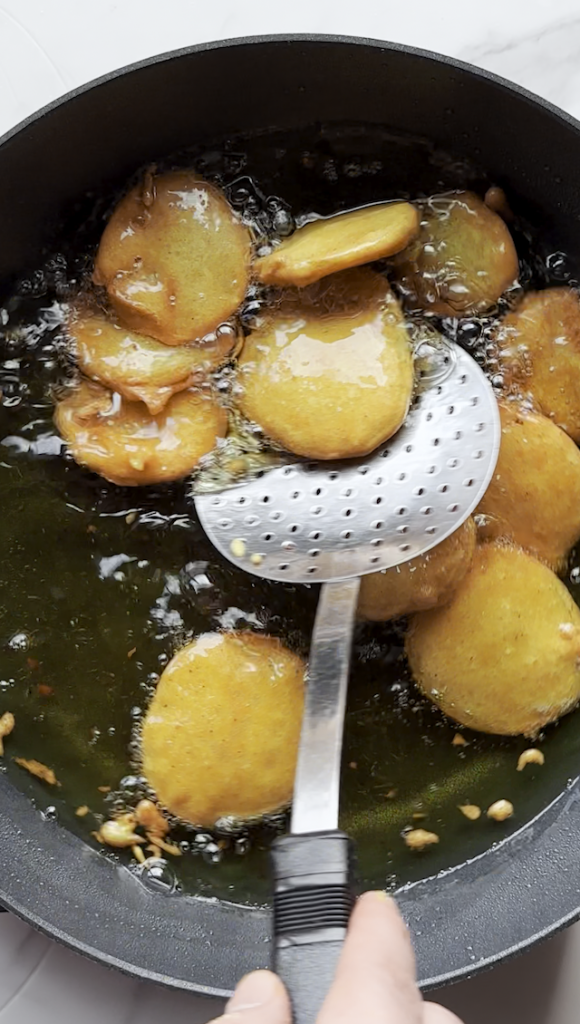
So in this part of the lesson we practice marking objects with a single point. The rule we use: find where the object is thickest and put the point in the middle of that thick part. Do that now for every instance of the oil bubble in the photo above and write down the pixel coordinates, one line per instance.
(212, 853)
(158, 876)
(557, 266)
(19, 642)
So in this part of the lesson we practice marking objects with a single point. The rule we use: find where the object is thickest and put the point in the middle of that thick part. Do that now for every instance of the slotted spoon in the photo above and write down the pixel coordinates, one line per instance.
(330, 523)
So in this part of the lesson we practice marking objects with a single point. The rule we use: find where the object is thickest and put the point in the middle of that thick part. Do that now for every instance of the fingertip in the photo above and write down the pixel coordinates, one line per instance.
(257, 990)
(436, 1014)
(379, 910)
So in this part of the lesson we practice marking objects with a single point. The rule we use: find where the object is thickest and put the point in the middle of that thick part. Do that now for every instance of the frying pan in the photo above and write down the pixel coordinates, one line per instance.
(522, 889)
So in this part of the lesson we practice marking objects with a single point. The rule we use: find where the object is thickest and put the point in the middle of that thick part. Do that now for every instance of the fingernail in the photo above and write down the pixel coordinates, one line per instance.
(381, 895)
(255, 989)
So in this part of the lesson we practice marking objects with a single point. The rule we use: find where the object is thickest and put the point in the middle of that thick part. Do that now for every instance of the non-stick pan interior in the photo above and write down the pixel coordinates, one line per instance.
(310, 120)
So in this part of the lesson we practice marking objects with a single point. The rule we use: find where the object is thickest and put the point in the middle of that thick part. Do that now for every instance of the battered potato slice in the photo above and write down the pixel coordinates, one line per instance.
(462, 261)
(336, 243)
(174, 258)
(220, 737)
(539, 354)
(123, 442)
(424, 582)
(329, 373)
(504, 655)
(138, 367)
(534, 495)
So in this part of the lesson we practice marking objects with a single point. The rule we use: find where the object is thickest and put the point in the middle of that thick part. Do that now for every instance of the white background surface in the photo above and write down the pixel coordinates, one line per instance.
(49, 47)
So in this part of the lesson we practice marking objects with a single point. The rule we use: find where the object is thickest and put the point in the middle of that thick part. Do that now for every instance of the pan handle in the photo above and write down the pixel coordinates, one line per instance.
(313, 900)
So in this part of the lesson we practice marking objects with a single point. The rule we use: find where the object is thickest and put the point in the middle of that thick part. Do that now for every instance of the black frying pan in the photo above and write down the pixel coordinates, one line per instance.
(524, 888)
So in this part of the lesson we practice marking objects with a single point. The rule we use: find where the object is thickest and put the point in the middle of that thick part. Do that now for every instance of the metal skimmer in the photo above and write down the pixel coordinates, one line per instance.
(330, 523)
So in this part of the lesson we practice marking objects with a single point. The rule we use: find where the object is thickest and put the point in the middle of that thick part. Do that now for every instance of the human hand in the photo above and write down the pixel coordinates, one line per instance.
(374, 983)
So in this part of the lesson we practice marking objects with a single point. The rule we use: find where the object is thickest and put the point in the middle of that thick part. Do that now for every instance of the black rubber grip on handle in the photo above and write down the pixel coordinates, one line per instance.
(313, 901)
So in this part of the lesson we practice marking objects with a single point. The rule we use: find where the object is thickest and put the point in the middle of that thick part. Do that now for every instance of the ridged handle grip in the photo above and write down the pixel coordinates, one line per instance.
(313, 900)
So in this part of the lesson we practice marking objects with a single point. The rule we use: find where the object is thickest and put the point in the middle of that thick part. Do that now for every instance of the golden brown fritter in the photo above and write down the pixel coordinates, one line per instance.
(504, 655)
(174, 258)
(138, 367)
(462, 261)
(534, 495)
(220, 737)
(336, 243)
(421, 583)
(539, 354)
(329, 371)
(127, 445)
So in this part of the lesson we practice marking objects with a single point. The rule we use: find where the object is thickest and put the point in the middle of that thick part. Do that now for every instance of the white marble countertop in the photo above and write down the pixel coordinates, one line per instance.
(50, 46)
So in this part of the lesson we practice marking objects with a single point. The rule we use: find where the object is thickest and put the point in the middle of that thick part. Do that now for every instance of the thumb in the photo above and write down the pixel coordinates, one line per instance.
(260, 998)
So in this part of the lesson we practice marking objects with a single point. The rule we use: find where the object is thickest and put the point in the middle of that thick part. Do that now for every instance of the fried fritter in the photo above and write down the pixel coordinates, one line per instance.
(539, 354)
(462, 261)
(421, 583)
(329, 371)
(138, 367)
(336, 243)
(220, 737)
(125, 444)
(504, 655)
(174, 258)
(534, 495)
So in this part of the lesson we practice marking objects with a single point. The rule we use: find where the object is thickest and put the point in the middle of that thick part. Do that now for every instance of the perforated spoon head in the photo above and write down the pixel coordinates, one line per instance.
(319, 521)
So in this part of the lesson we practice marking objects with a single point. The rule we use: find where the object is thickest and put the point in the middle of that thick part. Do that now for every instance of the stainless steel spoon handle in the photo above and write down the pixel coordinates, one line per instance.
(313, 867)
(317, 783)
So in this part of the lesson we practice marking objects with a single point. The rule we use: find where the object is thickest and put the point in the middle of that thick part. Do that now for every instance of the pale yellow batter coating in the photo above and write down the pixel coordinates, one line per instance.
(138, 367)
(462, 261)
(174, 258)
(127, 445)
(336, 243)
(504, 655)
(539, 351)
(220, 737)
(534, 495)
(329, 371)
(424, 582)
